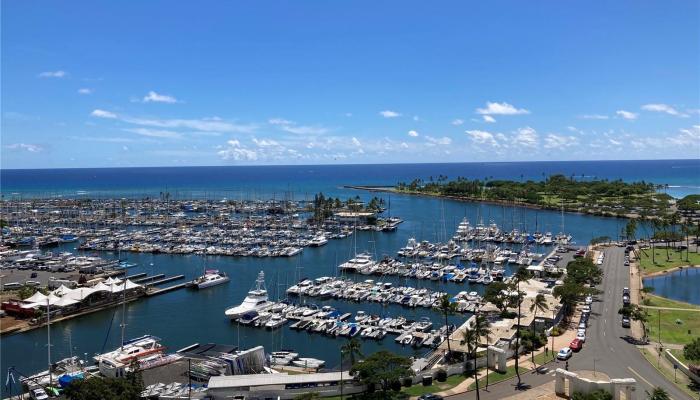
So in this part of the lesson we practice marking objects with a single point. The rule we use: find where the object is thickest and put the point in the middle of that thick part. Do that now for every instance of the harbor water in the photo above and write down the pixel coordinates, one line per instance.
(682, 285)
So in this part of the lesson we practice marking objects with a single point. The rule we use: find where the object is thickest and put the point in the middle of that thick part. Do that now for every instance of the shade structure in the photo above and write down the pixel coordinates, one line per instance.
(37, 297)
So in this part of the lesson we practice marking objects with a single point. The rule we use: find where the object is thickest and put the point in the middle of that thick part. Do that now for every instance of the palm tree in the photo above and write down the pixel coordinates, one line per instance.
(470, 339)
(520, 275)
(538, 304)
(352, 349)
(447, 308)
(658, 394)
(481, 329)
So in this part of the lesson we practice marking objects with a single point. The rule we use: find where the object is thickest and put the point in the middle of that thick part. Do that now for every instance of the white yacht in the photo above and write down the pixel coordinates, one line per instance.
(256, 300)
(362, 261)
(210, 278)
(318, 240)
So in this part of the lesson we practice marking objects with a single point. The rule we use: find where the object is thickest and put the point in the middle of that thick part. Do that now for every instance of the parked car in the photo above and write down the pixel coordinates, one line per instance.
(589, 300)
(625, 322)
(625, 299)
(581, 325)
(576, 345)
(626, 290)
(39, 394)
(564, 354)
(581, 335)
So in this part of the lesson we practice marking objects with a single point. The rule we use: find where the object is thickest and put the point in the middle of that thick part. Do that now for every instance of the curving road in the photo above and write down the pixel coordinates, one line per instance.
(608, 347)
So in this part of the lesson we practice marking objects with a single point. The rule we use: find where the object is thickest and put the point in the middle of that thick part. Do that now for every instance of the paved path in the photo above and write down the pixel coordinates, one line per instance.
(609, 347)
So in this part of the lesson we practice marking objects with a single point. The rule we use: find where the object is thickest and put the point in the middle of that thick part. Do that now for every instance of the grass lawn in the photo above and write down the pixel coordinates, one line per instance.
(676, 259)
(543, 358)
(418, 389)
(689, 389)
(495, 377)
(679, 355)
(671, 330)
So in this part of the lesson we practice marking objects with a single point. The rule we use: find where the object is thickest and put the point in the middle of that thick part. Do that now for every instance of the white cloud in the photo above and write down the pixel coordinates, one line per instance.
(488, 118)
(526, 137)
(153, 97)
(500, 109)
(158, 133)
(593, 116)
(103, 114)
(553, 141)
(687, 137)
(615, 142)
(627, 114)
(482, 137)
(413, 133)
(389, 114)
(85, 91)
(32, 148)
(207, 125)
(292, 127)
(443, 141)
(265, 142)
(125, 148)
(53, 74)
(356, 142)
(457, 122)
(664, 108)
(404, 145)
(234, 151)
(416, 118)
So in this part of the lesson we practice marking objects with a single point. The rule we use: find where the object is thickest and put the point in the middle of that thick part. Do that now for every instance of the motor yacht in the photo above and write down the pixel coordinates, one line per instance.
(256, 300)
(210, 278)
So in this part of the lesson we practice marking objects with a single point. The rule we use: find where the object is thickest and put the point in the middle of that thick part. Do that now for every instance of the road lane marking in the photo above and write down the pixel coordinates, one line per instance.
(640, 377)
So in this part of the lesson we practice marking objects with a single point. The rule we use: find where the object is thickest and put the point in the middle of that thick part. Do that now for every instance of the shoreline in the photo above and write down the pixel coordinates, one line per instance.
(668, 271)
(389, 189)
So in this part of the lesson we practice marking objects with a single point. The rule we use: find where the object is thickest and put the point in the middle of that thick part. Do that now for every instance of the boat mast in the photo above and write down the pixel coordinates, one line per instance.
(123, 324)
(48, 338)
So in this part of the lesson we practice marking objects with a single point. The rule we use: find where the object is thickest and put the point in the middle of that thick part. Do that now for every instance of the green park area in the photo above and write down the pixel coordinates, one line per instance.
(450, 382)
(679, 322)
(664, 259)
(495, 377)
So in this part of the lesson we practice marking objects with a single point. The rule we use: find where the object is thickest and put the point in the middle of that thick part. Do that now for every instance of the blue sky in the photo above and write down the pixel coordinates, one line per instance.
(161, 83)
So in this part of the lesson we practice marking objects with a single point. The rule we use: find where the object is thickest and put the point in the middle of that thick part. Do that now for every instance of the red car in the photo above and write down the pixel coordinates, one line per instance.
(576, 345)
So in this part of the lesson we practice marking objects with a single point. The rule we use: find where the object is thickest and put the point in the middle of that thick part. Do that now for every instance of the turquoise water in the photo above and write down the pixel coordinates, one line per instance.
(681, 285)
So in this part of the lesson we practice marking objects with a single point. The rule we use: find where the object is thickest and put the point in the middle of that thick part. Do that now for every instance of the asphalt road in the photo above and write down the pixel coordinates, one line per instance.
(608, 346)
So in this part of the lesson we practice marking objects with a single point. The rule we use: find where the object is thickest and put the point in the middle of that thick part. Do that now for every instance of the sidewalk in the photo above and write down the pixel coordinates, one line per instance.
(525, 361)
(636, 287)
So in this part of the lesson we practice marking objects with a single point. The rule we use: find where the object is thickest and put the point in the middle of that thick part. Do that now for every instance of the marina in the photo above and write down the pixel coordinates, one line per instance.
(284, 273)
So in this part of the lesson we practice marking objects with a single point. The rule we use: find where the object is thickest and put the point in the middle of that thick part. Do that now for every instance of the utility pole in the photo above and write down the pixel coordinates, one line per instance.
(341, 374)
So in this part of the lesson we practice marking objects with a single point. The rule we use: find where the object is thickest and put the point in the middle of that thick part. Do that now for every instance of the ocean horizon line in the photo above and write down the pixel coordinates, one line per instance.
(352, 164)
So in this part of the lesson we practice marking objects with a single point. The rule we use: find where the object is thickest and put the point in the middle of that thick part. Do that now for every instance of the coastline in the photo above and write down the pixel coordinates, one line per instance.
(388, 189)
(668, 271)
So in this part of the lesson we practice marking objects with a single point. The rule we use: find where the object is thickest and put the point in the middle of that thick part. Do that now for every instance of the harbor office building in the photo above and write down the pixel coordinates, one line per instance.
(282, 386)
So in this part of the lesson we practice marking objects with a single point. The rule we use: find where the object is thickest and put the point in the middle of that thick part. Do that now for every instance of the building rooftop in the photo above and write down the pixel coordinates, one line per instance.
(220, 382)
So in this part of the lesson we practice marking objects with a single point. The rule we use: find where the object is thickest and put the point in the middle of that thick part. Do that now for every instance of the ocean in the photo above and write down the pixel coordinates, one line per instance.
(184, 317)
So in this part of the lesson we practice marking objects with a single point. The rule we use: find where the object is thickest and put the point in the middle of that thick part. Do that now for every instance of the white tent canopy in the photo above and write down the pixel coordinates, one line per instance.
(37, 297)
(80, 294)
(65, 301)
(62, 291)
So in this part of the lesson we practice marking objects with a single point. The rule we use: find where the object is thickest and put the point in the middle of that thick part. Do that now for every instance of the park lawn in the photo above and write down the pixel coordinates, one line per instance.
(678, 353)
(418, 389)
(676, 259)
(543, 358)
(671, 331)
(689, 389)
(495, 377)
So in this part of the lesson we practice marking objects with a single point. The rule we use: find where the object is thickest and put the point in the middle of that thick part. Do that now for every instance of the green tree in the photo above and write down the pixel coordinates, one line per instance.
(691, 351)
(381, 369)
(103, 389)
(635, 313)
(352, 349)
(497, 294)
(472, 338)
(659, 394)
(596, 395)
(538, 304)
(447, 308)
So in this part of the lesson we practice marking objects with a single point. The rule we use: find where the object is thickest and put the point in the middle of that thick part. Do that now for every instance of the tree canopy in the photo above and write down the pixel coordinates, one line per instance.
(382, 368)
